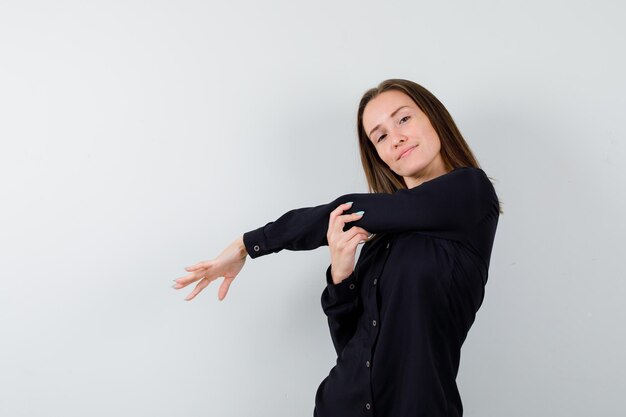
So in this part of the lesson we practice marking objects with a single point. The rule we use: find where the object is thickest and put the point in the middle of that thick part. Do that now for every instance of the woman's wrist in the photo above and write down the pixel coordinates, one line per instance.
(338, 278)
(242, 247)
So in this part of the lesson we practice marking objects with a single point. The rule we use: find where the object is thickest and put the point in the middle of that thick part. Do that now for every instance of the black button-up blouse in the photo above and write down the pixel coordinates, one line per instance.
(398, 321)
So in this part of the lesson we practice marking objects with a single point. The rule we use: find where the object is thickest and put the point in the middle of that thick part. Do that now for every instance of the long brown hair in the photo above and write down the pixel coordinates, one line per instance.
(455, 152)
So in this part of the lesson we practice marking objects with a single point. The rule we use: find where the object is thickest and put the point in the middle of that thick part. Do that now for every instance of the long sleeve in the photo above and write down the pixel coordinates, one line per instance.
(449, 206)
(340, 303)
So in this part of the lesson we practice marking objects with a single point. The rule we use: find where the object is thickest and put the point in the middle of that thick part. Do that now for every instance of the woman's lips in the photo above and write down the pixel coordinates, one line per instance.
(408, 151)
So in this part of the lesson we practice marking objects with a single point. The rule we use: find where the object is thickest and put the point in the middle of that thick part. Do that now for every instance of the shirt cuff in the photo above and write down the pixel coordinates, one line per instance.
(256, 242)
(345, 290)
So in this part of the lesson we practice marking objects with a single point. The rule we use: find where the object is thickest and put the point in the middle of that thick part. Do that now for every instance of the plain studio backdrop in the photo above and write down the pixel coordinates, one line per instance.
(139, 137)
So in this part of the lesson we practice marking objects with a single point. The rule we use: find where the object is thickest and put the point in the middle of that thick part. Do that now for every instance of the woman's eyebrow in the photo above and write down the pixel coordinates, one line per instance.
(392, 114)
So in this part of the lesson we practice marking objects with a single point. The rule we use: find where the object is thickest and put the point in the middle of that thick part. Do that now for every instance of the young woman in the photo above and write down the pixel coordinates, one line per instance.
(399, 316)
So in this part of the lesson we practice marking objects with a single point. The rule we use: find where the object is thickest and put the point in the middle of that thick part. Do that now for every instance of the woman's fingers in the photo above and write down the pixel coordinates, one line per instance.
(341, 221)
(198, 271)
(336, 212)
(343, 241)
(199, 287)
(337, 221)
(200, 264)
(340, 236)
(356, 240)
(182, 282)
(205, 280)
(221, 294)
(360, 230)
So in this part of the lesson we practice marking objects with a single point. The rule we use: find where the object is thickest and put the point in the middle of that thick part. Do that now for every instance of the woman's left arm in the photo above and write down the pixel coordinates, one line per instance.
(448, 206)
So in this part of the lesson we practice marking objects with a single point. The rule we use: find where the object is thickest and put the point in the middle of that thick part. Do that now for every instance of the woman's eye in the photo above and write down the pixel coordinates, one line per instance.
(381, 137)
(405, 117)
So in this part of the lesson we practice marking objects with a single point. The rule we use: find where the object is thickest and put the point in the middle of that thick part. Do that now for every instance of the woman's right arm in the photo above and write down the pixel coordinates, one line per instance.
(449, 207)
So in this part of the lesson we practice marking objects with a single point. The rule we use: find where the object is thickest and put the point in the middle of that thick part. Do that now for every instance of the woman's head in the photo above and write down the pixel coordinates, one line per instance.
(398, 116)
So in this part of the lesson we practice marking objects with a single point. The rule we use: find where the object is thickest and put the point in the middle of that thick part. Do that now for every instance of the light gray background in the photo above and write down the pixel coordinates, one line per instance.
(141, 137)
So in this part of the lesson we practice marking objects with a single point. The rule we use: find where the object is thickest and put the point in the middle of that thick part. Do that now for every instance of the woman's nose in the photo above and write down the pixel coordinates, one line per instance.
(398, 139)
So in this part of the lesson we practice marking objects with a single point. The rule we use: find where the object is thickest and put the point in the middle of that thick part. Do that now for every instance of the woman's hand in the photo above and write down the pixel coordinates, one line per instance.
(227, 265)
(343, 244)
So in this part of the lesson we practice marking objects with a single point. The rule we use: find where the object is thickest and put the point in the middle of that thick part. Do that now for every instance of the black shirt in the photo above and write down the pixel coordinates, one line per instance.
(398, 321)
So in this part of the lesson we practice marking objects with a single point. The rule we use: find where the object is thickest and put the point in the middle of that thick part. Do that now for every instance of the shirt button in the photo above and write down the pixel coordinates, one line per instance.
(374, 323)
(256, 248)
(375, 281)
(388, 245)
(367, 363)
(367, 406)
(351, 286)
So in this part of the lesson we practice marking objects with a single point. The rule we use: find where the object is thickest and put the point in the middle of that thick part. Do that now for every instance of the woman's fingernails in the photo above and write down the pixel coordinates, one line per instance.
(360, 213)
(176, 286)
(349, 202)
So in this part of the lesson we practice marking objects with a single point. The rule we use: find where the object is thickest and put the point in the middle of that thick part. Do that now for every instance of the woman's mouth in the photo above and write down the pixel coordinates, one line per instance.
(407, 152)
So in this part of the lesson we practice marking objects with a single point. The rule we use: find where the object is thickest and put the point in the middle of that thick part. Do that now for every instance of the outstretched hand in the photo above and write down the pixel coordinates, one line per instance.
(227, 265)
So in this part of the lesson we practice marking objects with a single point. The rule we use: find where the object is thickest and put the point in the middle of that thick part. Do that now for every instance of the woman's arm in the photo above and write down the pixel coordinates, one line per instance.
(340, 299)
(448, 206)
(340, 303)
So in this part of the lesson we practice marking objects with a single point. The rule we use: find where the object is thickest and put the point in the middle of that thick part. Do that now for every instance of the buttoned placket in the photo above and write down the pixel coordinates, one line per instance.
(372, 307)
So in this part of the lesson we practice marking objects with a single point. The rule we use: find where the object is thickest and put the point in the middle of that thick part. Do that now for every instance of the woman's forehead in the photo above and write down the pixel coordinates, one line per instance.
(383, 106)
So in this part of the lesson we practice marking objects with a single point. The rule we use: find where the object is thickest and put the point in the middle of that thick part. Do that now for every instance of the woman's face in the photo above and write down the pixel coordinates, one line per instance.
(403, 137)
